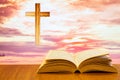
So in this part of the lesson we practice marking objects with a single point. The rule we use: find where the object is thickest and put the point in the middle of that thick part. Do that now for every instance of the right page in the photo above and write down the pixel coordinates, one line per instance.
(81, 56)
(101, 60)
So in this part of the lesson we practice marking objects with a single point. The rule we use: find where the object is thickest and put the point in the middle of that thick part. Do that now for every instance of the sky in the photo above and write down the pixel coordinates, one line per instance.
(73, 25)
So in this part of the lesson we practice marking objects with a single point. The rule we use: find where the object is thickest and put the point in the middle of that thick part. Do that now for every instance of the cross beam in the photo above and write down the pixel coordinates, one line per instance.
(37, 15)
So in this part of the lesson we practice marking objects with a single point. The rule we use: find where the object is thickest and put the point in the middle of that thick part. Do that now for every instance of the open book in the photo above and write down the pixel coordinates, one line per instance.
(85, 61)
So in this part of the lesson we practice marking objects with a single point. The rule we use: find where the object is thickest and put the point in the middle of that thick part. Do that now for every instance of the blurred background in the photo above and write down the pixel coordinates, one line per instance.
(73, 25)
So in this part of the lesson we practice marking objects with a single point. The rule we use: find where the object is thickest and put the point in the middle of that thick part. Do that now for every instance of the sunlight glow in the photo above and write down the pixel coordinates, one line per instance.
(76, 39)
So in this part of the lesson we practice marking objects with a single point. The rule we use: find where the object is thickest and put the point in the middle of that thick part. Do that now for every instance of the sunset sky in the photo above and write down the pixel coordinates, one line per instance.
(73, 25)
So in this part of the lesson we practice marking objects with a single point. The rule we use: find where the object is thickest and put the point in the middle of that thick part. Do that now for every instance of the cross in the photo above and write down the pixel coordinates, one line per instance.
(37, 15)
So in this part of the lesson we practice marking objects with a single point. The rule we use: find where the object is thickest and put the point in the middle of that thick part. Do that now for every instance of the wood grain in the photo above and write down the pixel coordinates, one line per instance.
(28, 72)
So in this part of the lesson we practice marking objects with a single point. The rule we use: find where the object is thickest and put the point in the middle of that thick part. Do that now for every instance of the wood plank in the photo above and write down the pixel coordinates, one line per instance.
(28, 72)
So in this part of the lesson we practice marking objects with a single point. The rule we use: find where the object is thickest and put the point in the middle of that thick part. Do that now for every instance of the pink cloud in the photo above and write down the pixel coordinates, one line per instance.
(9, 9)
(9, 32)
(5, 1)
(79, 45)
(77, 16)
(115, 58)
(16, 54)
(21, 52)
(20, 47)
(85, 43)
(29, 50)
(95, 4)
(53, 38)
(115, 21)
(83, 13)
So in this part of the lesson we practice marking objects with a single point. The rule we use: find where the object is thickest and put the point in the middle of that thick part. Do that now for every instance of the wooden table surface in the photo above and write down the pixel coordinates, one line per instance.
(28, 72)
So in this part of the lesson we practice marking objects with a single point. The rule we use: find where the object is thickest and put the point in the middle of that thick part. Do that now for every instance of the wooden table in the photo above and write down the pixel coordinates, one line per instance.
(28, 72)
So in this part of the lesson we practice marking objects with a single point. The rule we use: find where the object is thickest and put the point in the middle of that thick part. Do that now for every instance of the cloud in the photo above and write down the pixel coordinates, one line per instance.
(115, 21)
(53, 38)
(79, 39)
(78, 43)
(9, 53)
(112, 45)
(10, 32)
(88, 15)
(22, 47)
(94, 4)
(74, 25)
(109, 2)
(83, 14)
(115, 56)
(9, 8)
(15, 54)
(21, 60)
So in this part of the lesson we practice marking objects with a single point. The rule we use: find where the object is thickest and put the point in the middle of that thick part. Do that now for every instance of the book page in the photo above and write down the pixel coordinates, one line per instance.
(81, 56)
(60, 54)
(104, 60)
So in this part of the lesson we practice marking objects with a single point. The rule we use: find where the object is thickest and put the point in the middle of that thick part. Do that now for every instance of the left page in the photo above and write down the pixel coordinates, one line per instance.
(58, 61)
(60, 54)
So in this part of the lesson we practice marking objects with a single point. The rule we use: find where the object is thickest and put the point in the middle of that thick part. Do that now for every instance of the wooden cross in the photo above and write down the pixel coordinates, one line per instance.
(37, 15)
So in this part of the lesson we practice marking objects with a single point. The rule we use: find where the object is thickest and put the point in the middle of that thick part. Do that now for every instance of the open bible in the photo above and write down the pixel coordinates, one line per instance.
(84, 61)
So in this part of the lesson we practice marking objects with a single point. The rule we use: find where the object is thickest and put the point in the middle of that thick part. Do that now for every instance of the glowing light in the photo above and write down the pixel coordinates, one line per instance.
(76, 39)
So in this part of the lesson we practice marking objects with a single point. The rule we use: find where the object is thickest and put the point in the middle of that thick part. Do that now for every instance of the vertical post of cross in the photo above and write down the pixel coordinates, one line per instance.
(37, 23)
